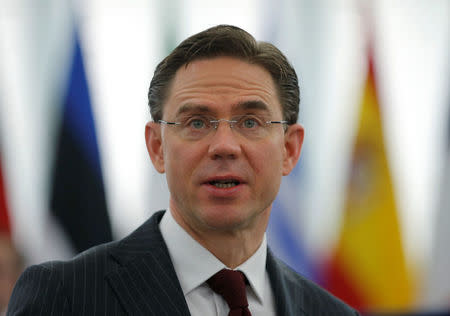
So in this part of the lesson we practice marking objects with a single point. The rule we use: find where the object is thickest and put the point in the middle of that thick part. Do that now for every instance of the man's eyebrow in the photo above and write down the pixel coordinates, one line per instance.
(191, 107)
(252, 105)
(241, 106)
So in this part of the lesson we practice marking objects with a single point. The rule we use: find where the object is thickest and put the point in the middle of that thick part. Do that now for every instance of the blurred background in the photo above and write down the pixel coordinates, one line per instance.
(366, 213)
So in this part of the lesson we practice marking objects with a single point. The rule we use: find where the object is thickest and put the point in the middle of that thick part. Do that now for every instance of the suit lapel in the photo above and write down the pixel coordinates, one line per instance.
(288, 293)
(146, 282)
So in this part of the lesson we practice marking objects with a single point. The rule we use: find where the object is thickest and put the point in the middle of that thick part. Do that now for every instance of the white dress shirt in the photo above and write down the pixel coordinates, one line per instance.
(194, 265)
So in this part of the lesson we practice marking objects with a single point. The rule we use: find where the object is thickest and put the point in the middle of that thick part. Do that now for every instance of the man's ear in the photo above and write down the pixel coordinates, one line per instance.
(293, 142)
(153, 141)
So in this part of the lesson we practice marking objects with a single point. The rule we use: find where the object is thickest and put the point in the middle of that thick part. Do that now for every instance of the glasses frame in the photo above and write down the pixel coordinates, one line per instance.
(215, 123)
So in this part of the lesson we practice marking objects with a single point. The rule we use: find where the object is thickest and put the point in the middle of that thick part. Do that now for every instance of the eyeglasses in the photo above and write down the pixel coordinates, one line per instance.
(197, 126)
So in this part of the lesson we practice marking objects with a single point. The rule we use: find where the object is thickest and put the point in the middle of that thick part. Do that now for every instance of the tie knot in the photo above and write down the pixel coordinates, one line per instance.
(231, 285)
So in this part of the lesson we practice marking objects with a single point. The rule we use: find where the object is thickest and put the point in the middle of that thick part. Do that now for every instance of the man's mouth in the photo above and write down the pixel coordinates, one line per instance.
(224, 184)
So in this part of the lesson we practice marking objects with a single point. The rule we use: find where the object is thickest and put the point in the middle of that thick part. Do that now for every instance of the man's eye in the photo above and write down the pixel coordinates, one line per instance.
(250, 123)
(197, 123)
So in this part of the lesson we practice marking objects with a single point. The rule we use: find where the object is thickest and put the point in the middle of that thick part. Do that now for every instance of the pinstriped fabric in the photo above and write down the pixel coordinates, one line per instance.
(135, 276)
(149, 285)
(39, 281)
(295, 295)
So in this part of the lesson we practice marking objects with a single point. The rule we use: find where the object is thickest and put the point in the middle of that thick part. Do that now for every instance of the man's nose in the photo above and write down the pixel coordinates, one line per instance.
(224, 143)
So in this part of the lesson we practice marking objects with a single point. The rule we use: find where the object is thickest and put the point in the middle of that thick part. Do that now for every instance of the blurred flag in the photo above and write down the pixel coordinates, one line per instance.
(424, 313)
(438, 290)
(78, 197)
(5, 225)
(367, 268)
(284, 235)
(281, 21)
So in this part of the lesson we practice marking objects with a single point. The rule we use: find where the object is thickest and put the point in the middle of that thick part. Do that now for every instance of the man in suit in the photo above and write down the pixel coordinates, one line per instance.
(224, 131)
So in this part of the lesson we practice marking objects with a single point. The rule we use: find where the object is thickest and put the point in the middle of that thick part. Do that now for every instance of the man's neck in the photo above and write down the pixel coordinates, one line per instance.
(232, 248)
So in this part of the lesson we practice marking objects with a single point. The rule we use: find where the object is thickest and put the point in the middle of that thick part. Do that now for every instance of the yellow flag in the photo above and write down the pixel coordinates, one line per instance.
(368, 269)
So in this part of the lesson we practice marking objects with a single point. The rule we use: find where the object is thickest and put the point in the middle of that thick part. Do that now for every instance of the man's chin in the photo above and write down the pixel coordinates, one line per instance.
(226, 218)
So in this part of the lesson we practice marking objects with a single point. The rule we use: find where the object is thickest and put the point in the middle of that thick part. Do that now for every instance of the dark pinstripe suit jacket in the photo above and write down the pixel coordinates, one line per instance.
(135, 276)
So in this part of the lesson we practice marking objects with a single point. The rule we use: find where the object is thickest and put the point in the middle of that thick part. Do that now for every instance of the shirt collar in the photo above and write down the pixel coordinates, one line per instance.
(194, 264)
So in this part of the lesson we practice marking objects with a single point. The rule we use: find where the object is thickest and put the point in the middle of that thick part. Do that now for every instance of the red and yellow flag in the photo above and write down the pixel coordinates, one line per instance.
(368, 268)
(5, 226)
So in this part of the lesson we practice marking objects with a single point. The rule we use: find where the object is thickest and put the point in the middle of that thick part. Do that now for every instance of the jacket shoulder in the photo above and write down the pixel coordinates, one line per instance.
(59, 287)
(81, 285)
(96, 258)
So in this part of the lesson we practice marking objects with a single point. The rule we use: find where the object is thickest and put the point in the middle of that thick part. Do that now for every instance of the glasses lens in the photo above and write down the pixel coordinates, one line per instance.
(251, 126)
(195, 127)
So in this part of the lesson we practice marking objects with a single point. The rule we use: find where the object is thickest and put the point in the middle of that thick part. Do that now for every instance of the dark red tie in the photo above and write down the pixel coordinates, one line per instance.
(231, 285)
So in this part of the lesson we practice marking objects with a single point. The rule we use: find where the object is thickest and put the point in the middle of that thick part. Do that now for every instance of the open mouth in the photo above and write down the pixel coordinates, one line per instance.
(224, 184)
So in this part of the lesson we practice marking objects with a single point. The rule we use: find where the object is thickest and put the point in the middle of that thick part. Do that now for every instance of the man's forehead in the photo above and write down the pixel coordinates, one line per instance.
(227, 80)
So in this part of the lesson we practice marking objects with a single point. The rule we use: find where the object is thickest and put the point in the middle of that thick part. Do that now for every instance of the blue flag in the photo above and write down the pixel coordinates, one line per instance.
(283, 233)
(78, 197)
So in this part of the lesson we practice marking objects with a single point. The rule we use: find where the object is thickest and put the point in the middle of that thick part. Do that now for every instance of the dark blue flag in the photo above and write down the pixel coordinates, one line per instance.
(78, 197)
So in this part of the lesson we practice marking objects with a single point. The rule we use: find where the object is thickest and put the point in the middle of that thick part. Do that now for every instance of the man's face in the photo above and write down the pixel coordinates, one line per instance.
(222, 88)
